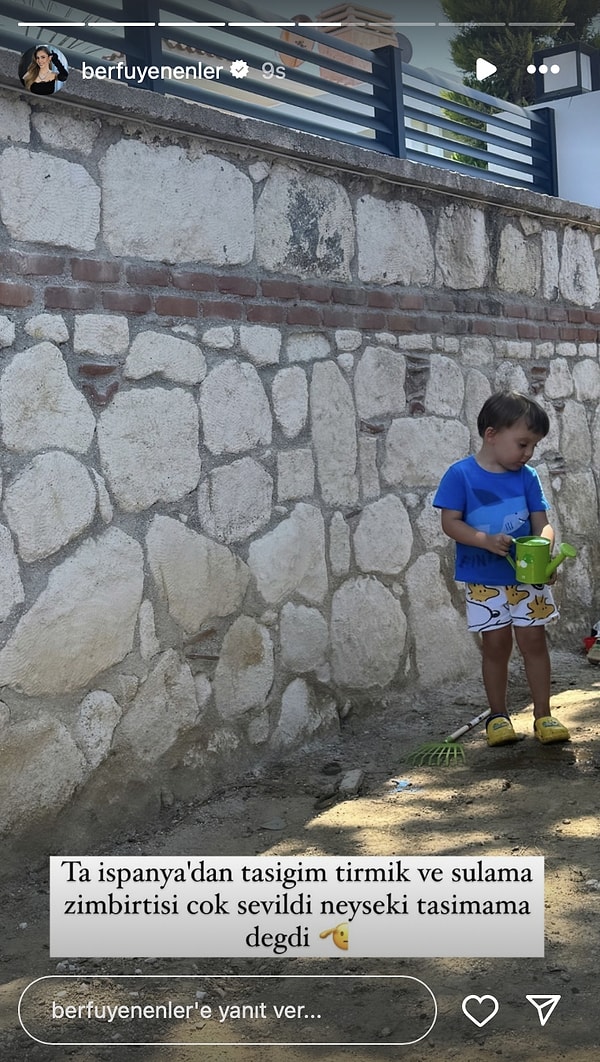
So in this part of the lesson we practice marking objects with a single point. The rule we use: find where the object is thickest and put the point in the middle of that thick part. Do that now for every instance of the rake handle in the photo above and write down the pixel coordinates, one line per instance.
(469, 726)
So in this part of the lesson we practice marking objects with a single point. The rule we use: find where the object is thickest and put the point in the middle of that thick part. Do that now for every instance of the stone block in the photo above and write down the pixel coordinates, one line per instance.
(444, 648)
(383, 538)
(477, 391)
(40, 769)
(339, 545)
(518, 268)
(586, 380)
(235, 410)
(50, 326)
(39, 406)
(58, 204)
(394, 246)
(290, 400)
(148, 441)
(167, 356)
(307, 346)
(559, 382)
(445, 389)
(295, 474)
(430, 525)
(149, 643)
(576, 440)
(348, 339)
(578, 278)
(11, 587)
(577, 506)
(161, 206)
(105, 505)
(333, 421)
(415, 341)
(351, 782)
(261, 344)
(196, 578)
(235, 500)
(304, 225)
(49, 503)
(476, 351)
(550, 264)
(368, 632)
(291, 559)
(162, 710)
(551, 442)
(301, 716)
(7, 332)
(511, 377)
(97, 717)
(462, 248)
(513, 349)
(304, 638)
(105, 335)
(379, 382)
(245, 670)
(82, 623)
(367, 461)
(420, 449)
(221, 338)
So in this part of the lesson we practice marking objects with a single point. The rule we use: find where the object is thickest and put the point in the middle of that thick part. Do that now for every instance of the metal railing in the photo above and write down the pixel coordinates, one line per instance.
(302, 76)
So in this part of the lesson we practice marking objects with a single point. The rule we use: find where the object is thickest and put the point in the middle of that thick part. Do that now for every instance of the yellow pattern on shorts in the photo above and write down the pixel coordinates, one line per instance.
(539, 608)
(514, 594)
(478, 592)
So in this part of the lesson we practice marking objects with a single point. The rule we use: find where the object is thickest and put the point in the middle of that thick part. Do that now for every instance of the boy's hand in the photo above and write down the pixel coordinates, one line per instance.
(499, 544)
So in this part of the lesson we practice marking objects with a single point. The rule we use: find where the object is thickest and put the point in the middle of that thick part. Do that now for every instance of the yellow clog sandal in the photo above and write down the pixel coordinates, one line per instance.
(548, 730)
(499, 731)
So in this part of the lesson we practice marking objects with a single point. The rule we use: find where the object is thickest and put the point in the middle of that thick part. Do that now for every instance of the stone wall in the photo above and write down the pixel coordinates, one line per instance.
(231, 376)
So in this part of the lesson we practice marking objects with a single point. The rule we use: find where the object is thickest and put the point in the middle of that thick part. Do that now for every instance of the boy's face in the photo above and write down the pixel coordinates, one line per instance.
(512, 447)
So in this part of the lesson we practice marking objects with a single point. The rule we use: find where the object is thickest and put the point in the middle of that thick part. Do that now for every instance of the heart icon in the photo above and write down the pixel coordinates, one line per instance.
(480, 1022)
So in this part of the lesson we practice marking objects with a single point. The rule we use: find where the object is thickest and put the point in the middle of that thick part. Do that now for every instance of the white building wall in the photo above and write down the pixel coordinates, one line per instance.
(578, 147)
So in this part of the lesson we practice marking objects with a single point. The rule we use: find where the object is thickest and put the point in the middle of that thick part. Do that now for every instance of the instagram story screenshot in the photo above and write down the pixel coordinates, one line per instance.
(299, 333)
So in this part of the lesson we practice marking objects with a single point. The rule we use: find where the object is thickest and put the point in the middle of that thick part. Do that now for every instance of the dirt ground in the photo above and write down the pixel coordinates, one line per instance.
(521, 800)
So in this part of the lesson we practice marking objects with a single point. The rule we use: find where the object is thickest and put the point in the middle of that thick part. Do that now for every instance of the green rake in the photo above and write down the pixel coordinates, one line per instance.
(443, 753)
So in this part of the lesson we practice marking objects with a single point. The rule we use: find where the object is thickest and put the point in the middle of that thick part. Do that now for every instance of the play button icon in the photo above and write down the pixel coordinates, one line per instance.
(484, 69)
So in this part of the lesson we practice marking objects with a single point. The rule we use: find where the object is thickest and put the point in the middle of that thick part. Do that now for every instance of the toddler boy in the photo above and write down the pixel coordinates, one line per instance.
(487, 501)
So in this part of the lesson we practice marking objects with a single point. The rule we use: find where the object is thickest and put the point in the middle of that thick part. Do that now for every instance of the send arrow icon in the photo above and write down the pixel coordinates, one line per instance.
(545, 1006)
(484, 69)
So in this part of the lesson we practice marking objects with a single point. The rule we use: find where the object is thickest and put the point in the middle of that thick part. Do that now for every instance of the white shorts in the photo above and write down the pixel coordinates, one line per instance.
(521, 605)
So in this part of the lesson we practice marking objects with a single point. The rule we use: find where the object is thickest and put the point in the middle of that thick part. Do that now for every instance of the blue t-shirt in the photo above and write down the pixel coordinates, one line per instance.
(493, 502)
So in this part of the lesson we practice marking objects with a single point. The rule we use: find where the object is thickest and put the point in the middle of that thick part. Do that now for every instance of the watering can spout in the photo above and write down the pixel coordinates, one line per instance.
(565, 550)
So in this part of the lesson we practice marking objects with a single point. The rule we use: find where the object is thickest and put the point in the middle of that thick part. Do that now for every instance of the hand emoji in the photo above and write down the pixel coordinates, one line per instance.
(340, 935)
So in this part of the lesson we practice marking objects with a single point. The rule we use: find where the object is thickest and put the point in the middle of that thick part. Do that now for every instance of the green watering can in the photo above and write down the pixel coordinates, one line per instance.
(532, 562)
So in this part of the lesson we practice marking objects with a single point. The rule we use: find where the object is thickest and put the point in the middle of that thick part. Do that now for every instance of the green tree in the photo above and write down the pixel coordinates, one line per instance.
(582, 13)
(585, 14)
(510, 48)
(468, 123)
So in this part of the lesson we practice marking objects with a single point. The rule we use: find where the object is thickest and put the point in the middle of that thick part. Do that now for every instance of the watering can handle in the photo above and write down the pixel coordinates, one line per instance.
(508, 556)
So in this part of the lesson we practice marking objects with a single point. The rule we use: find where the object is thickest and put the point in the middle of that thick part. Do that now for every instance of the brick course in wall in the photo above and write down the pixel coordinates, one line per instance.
(96, 285)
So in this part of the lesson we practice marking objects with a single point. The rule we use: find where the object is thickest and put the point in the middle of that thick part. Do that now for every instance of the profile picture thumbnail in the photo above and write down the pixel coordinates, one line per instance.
(43, 70)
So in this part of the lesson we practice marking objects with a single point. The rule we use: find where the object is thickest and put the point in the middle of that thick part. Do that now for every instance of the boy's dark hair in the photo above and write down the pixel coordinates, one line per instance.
(505, 408)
